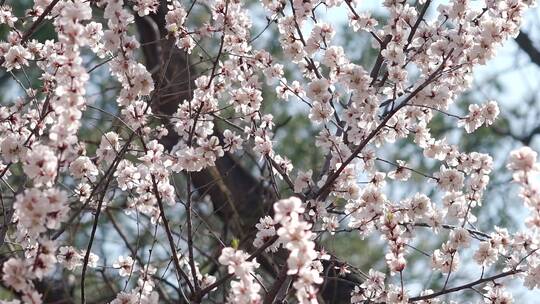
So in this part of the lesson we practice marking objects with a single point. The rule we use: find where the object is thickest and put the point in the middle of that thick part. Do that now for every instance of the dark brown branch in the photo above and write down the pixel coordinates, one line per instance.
(96, 216)
(465, 286)
(325, 189)
(525, 44)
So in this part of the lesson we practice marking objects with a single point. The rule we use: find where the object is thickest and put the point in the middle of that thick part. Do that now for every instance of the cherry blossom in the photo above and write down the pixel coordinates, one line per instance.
(148, 121)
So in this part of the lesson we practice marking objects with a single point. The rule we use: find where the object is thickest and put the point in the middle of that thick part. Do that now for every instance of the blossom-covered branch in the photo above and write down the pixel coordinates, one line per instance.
(155, 119)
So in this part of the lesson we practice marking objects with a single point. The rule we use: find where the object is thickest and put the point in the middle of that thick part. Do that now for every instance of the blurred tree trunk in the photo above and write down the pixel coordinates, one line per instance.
(238, 197)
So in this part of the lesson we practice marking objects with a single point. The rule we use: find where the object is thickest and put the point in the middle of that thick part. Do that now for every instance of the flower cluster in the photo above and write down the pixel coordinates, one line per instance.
(525, 168)
(295, 235)
(246, 289)
(478, 116)
(21, 274)
(38, 210)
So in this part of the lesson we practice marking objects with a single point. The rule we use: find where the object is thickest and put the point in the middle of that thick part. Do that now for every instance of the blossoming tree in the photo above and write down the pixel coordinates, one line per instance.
(183, 188)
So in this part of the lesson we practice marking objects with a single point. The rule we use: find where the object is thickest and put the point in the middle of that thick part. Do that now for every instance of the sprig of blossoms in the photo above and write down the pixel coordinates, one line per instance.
(479, 115)
(246, 289)
(296, 236)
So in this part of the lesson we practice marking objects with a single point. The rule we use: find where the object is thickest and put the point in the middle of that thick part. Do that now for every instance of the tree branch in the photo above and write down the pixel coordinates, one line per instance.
(525, 44)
